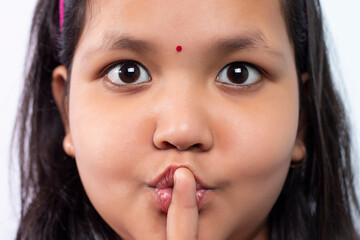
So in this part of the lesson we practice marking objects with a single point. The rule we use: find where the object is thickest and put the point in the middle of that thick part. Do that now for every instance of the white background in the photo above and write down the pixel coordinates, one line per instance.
(342, 18)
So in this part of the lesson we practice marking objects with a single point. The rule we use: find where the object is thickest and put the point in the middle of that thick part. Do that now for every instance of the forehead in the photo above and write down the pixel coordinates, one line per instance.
(187, 22)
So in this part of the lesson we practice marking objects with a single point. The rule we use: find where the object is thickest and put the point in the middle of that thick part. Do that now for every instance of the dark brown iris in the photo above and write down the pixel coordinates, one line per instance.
(129, 73)
(238, 73)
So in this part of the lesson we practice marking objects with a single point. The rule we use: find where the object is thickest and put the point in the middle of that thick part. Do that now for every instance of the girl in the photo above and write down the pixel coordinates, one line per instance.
(183, 120)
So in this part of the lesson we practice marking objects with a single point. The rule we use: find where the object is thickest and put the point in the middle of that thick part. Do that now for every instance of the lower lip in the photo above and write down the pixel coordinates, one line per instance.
(163, 198)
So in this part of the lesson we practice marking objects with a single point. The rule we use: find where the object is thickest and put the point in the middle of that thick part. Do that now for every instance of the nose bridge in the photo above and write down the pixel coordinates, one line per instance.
(182, 122)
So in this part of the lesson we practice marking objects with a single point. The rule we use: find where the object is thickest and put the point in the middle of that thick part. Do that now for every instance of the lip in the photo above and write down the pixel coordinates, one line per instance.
(163, 185)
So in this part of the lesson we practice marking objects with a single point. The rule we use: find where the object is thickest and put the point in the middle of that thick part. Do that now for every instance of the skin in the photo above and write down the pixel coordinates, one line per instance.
(238, 140)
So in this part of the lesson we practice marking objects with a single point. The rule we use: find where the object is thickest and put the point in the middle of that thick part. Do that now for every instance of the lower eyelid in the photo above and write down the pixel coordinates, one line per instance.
(241, 88)
(128, 88)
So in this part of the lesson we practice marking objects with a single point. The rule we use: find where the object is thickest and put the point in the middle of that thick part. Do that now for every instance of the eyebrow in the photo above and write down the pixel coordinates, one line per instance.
(113, 41)
(248, 40)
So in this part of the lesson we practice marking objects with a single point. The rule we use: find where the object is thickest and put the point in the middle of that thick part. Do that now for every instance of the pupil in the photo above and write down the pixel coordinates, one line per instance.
(129, 73)
(238, 73)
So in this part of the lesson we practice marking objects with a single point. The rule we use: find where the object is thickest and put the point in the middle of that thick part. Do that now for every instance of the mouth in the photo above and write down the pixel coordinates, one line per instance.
(163, 189)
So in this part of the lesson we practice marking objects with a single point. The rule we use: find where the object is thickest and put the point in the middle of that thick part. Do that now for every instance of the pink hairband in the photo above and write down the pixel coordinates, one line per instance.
(61, 13)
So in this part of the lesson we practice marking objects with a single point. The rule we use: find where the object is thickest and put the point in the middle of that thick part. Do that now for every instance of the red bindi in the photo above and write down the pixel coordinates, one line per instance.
(179, 48)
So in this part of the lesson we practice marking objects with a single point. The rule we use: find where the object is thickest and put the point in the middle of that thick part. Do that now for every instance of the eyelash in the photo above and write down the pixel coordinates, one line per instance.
(104, 73)
(240, 66)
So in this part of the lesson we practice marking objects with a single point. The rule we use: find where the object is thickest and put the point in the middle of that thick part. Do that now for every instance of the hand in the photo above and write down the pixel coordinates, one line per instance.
(183, 217)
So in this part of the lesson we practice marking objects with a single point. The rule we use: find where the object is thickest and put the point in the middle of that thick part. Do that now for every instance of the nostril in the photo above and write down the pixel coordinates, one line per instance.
(166, 145)
(195, 147)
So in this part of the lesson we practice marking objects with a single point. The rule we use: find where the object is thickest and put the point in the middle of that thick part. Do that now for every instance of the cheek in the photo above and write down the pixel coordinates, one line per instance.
(105, 128)
(264, 151)
(256, 148)
(103, 134)
(107, 136)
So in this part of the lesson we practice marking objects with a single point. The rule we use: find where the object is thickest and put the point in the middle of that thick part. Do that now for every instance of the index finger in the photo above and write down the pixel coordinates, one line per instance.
(182, 220)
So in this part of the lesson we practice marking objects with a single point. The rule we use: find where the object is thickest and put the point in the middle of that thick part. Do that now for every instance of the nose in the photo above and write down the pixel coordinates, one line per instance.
(183, 124)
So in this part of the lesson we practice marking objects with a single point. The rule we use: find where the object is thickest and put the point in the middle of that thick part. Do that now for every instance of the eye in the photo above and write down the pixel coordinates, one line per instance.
(239, 73)
(127, 73)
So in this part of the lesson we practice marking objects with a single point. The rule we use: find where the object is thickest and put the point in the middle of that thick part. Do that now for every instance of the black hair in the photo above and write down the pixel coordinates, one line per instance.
(54, 203)
(317, 200)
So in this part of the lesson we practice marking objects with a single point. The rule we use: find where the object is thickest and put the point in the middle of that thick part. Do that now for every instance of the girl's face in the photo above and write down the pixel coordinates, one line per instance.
(226, 107)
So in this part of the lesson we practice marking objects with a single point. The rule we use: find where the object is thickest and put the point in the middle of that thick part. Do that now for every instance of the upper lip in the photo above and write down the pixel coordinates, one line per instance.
(166, 179)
